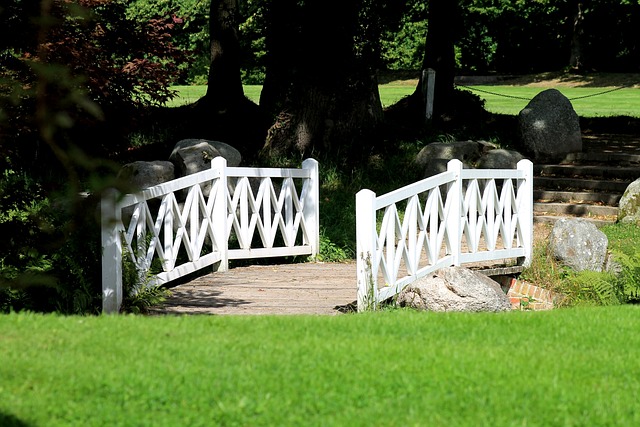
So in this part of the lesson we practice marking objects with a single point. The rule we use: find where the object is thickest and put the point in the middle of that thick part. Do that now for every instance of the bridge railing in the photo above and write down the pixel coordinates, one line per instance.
(206, 219)
(460, 216)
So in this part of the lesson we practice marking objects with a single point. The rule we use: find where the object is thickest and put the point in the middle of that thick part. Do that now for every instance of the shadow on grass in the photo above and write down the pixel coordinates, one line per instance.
(10, 420)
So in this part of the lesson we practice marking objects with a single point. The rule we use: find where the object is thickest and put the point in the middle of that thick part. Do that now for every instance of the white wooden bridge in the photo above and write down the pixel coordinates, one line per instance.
(167, 232)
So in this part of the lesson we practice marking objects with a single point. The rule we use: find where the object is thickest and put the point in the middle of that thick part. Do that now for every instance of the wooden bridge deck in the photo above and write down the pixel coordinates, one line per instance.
(302, 288)
(282, 289)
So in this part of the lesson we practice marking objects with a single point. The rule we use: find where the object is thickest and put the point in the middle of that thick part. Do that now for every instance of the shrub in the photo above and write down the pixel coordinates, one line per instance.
(49, 258)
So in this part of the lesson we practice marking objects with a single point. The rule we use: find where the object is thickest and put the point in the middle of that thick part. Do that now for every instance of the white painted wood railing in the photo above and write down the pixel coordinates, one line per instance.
(206, 219)
(457, 217)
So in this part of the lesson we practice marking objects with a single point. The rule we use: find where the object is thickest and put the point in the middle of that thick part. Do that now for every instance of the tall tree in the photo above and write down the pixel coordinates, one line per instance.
(575, 60)
(224, 87)
(444, 19)
(320, 83)
(439, 55)
(225, 113)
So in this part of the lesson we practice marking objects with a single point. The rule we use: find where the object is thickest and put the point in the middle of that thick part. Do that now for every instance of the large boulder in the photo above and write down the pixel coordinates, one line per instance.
(140, 175)
(461, 150)
(578, 244)
(433, 158)
(549, 127)
(195, 155)
(455, 289)
(500, 159)
(629, 207)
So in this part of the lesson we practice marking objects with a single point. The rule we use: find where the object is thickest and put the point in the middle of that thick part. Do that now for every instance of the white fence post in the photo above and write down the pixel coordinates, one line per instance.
(219, 213)
(311, 205)
(366, 237)
(525, 208)
(454, 215)
(111, 217)
(428, 85)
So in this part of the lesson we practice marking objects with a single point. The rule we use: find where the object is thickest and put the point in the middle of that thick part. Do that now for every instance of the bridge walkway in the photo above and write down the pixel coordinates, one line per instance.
(311, 288)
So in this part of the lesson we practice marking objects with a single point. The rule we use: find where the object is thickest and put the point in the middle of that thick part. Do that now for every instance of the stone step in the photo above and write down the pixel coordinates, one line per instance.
(617, 158)
(576, 209)
(609, 172)
(578, 184)
(551, 219)
(609, 199)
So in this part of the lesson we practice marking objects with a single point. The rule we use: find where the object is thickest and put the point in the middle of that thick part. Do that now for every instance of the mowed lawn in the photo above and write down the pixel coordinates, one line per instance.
(587, 101)
(566, 367)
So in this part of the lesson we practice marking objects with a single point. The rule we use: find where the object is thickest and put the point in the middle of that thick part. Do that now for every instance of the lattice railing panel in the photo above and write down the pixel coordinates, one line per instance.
(181, 226)
(458, 216)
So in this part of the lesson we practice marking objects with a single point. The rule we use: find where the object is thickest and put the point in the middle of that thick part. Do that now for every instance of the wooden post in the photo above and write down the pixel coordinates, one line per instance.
(111, 217)
(428, 87)
(366, 237)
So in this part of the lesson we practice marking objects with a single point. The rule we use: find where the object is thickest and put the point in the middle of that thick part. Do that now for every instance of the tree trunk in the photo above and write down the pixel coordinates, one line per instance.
(444, 18)
(575, 60)
(224, 86)
(224, 113)
(323, 94)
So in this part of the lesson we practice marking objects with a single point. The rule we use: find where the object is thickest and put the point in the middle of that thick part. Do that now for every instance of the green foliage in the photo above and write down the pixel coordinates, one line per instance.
(330, 252)
(49, 261)
(140, 298)
(403, 46)
(593, 287)
(629, 276)
(138, 293)
(620, 284)
(191, 35)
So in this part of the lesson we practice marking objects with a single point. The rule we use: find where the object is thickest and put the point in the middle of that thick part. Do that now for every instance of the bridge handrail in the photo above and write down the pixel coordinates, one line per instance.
(457, 217)
(197, 216)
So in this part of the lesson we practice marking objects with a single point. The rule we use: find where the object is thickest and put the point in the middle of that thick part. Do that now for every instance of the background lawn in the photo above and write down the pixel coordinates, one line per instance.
(567, 367)
(509, 100)
(499, 99)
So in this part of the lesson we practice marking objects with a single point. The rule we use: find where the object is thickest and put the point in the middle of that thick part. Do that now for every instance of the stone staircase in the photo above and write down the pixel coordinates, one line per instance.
(589, 184)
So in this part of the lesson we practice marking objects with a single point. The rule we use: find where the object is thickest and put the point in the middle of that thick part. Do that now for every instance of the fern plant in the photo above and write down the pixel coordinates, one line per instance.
(629, 276)
(138, 294)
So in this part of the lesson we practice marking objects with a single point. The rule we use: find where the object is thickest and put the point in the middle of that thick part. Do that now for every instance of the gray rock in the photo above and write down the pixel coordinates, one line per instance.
(455, 289)
(500, 159)
(629, 207)
(195, 155)
(549, 126)
(578, 244)
(468, 151)
(194, 158)
(140, 175)
(434, 166)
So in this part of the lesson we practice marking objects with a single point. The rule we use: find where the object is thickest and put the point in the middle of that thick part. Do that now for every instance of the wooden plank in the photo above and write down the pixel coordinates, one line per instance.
(306, 288)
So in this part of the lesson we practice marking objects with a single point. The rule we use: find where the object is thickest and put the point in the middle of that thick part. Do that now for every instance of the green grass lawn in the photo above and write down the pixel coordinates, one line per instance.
(567, 367)
(389, 94)
(502, 99)
(512, 99)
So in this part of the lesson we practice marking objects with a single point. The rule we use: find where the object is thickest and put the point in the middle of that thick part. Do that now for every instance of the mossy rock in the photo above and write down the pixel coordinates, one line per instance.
(629, 208)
